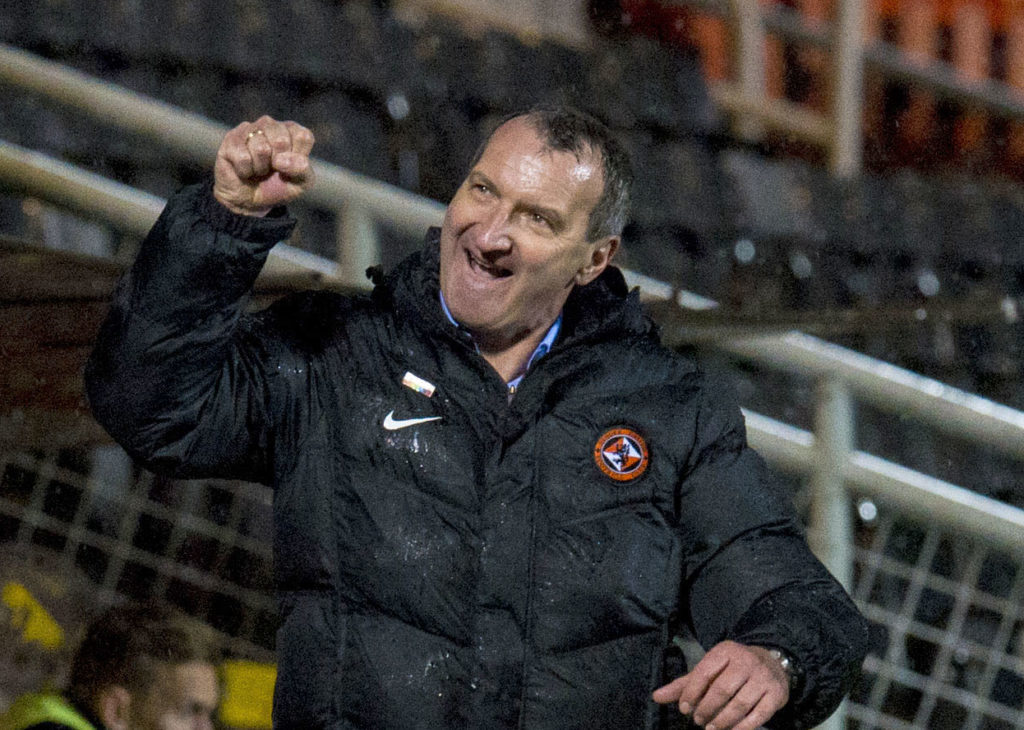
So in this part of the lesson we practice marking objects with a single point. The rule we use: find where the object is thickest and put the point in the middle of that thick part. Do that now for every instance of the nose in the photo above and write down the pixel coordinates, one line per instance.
(494, 236)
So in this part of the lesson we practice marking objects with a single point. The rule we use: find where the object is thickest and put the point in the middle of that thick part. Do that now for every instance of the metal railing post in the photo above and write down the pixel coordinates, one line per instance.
(749, 56)
(358, 245)
(848, 70)
(831, 523)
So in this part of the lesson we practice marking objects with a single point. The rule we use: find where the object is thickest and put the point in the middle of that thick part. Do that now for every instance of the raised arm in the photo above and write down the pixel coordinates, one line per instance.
(174, 377)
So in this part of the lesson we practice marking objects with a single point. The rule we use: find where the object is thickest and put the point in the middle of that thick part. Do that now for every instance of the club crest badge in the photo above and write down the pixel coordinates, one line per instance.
(621, 453)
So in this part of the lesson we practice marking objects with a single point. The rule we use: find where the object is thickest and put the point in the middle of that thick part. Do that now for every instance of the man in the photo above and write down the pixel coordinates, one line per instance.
(138, 668)
(498, 498)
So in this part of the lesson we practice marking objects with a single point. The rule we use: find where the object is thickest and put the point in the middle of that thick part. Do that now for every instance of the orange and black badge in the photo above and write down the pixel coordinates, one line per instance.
(621, 453)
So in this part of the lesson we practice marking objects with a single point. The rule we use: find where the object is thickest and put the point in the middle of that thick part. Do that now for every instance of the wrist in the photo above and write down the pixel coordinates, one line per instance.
(789, 666)
(238, 210)
(276, 226)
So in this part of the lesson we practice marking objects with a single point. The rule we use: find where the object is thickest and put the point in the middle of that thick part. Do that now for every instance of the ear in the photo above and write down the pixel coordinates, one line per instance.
(114, 707)
(601, 254)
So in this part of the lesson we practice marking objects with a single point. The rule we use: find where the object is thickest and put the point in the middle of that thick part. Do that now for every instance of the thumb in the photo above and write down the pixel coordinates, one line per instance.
(293, 164)
(276, 190)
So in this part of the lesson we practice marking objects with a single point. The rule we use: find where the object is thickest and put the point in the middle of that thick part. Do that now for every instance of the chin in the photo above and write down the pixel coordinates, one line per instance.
(473, 314)
(477, 325)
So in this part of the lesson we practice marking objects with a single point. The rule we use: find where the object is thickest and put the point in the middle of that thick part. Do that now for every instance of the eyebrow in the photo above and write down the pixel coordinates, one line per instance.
(475, 176)
(555, 216)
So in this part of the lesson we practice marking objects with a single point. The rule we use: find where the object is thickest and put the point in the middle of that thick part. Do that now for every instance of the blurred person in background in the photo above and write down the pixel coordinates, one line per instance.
(498, 498)
(138, 668)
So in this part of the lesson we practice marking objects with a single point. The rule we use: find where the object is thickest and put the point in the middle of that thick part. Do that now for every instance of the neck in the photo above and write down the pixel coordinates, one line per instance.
(510, 360)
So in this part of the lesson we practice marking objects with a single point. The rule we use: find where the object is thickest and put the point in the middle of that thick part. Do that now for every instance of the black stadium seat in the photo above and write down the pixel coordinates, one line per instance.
(349, 131)
(504, 72)
(769, 200)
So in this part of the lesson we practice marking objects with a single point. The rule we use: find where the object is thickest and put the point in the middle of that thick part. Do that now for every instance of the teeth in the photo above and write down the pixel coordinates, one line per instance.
(496, 271)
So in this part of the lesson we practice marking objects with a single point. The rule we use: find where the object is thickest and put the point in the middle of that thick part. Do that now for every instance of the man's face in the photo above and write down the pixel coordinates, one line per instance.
(514, 242)
(182, 697)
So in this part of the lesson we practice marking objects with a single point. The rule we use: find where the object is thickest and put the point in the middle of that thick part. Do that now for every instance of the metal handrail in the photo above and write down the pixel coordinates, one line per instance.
(887, 386)
(926, 498)
(126, 209)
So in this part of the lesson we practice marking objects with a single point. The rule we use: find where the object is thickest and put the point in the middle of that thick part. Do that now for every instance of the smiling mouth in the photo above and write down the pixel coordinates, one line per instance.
(495, 272)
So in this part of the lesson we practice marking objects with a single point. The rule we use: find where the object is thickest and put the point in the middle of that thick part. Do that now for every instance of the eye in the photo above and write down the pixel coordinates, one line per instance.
(481, 188)
(540, 220)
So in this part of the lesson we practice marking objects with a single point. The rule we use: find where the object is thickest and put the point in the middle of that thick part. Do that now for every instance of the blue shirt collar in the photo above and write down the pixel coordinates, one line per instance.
(540, 351)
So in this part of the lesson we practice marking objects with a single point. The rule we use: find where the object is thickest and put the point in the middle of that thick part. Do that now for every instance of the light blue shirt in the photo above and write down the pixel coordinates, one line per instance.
(540, 351)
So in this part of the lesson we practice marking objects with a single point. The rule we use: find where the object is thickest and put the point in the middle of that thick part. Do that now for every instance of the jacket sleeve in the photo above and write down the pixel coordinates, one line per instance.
(751, 576)
(174, 377)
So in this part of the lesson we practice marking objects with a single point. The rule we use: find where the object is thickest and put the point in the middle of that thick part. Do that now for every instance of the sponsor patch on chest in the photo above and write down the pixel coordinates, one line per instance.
(621, 454)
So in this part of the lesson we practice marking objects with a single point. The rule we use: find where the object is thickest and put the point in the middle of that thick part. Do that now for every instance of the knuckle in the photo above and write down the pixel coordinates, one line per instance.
(718, 694)
(236, 155)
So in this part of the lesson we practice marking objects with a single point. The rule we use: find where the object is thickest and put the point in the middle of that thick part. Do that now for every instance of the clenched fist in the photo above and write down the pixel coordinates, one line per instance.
(262, 164)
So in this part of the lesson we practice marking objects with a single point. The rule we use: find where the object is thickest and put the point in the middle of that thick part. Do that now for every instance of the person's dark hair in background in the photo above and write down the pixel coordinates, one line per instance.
(129, 646)
(140, 667)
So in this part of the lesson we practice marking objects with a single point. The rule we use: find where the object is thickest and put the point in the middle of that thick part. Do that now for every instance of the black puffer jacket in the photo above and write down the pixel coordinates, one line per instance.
(508, 564)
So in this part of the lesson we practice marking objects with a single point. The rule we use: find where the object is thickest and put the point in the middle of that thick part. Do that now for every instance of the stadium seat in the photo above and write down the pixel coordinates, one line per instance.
(639, 81)
(505, 73)
(565, 72)
(15, 23)
(440, 51)
(971, 230)
(682, 181)
(349, 131)
(1008, 205)
(443, 138)
(188, 31)
(769, 199)
(914, 209)
(350, 44)
(54, 25)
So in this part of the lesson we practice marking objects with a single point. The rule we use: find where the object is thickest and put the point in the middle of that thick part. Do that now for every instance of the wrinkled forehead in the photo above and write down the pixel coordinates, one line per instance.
(518, 145)
(527, 127)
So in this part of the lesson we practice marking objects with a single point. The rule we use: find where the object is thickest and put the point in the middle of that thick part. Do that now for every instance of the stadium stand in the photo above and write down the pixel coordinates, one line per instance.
(408, 103)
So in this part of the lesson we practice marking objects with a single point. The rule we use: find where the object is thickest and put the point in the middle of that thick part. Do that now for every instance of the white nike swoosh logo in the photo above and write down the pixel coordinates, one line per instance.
(391, 424)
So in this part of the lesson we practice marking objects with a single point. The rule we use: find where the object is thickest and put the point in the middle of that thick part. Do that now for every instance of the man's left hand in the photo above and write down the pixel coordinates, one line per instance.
(734, 687)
